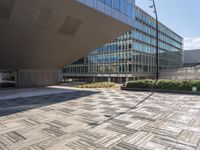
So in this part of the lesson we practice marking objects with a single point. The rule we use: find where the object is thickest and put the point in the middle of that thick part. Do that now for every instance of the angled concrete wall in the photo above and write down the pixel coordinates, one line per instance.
(50, 34)
(37, 35)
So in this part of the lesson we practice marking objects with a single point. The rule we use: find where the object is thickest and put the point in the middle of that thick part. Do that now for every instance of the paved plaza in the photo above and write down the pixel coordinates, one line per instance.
(101, 119)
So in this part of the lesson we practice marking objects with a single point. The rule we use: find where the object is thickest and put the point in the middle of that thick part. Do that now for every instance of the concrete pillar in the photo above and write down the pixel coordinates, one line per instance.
(108, 79)
(37, 78)
(93, 79)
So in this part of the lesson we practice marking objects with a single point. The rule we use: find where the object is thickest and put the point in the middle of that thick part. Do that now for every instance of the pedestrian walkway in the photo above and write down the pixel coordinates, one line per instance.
(101, 119)
(30, 92)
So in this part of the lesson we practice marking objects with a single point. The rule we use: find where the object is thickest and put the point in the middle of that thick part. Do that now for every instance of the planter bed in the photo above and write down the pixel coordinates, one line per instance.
(160, 90)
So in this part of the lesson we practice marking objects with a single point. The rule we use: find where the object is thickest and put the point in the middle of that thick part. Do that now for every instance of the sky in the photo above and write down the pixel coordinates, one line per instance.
(182, 16)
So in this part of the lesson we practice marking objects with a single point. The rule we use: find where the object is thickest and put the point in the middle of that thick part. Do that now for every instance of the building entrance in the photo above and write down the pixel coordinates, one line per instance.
(8, 78)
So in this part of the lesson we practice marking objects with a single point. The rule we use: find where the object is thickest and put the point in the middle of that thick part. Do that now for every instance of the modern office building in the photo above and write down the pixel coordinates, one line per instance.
(131, 56)
(191, 58)
(37, 35)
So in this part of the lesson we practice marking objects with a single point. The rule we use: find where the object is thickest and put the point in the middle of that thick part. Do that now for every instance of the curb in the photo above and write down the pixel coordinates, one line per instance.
(160, 91)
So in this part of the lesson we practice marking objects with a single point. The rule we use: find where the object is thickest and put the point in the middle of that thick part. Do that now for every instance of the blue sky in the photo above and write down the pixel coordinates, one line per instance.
(182, 16)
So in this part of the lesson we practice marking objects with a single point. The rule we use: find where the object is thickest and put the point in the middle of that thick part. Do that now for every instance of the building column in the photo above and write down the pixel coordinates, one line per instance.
(37, 78)
(93, 79)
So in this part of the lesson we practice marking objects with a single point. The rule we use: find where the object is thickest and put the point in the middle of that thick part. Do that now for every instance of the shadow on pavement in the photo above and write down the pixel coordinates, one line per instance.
(11, 106)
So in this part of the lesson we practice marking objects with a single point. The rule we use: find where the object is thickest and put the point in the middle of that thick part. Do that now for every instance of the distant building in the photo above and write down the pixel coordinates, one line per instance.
(132, 55)
(191, 58)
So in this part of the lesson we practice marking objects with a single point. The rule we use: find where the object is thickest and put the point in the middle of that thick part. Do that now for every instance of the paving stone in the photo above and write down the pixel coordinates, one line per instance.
(101, 119)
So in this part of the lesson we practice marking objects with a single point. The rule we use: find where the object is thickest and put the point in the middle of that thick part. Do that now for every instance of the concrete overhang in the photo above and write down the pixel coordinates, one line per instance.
(50, 34)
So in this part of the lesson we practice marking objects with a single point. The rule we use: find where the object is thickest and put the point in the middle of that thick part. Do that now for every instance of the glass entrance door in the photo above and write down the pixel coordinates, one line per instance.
(8, 78)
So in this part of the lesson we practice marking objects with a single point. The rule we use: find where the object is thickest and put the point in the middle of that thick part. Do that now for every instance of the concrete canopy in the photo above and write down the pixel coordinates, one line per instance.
(50, 34)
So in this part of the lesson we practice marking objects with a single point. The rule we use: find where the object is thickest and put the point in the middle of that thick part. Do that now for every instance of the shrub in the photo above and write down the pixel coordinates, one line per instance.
(185, 85)
(97, 85)
(167, 85)
(140, 84)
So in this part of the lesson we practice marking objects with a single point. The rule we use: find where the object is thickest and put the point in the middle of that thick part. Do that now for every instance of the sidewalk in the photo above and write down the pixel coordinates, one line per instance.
(31, 92)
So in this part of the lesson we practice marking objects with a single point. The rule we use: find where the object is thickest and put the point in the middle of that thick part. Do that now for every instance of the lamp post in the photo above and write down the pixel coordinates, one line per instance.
(157, 39)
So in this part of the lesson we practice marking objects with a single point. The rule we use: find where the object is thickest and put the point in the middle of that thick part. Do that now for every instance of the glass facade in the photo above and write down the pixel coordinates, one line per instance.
(133, 54)
(122, 10)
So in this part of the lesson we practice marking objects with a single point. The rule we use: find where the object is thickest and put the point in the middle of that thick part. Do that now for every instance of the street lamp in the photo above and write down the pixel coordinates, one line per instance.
(157, 39)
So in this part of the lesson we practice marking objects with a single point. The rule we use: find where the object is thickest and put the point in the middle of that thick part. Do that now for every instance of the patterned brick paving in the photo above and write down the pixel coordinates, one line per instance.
(101, 120)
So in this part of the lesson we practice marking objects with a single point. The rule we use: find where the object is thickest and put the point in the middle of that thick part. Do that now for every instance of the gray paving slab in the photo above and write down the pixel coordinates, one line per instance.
(30, 92)
(101, 119)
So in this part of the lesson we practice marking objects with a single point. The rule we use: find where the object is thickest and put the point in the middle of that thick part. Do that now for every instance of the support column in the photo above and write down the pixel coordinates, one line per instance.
(93, 79)
(37, 78)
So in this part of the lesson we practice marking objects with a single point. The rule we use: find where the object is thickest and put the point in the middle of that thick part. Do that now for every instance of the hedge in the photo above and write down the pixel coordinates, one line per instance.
(185, 85)
(97, 85)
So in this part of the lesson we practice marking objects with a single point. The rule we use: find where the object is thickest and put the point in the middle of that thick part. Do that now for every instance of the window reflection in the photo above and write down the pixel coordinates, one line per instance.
(134, 52)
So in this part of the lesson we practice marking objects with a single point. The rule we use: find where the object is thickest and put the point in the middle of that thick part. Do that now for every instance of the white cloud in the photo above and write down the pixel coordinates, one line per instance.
(192, 43)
